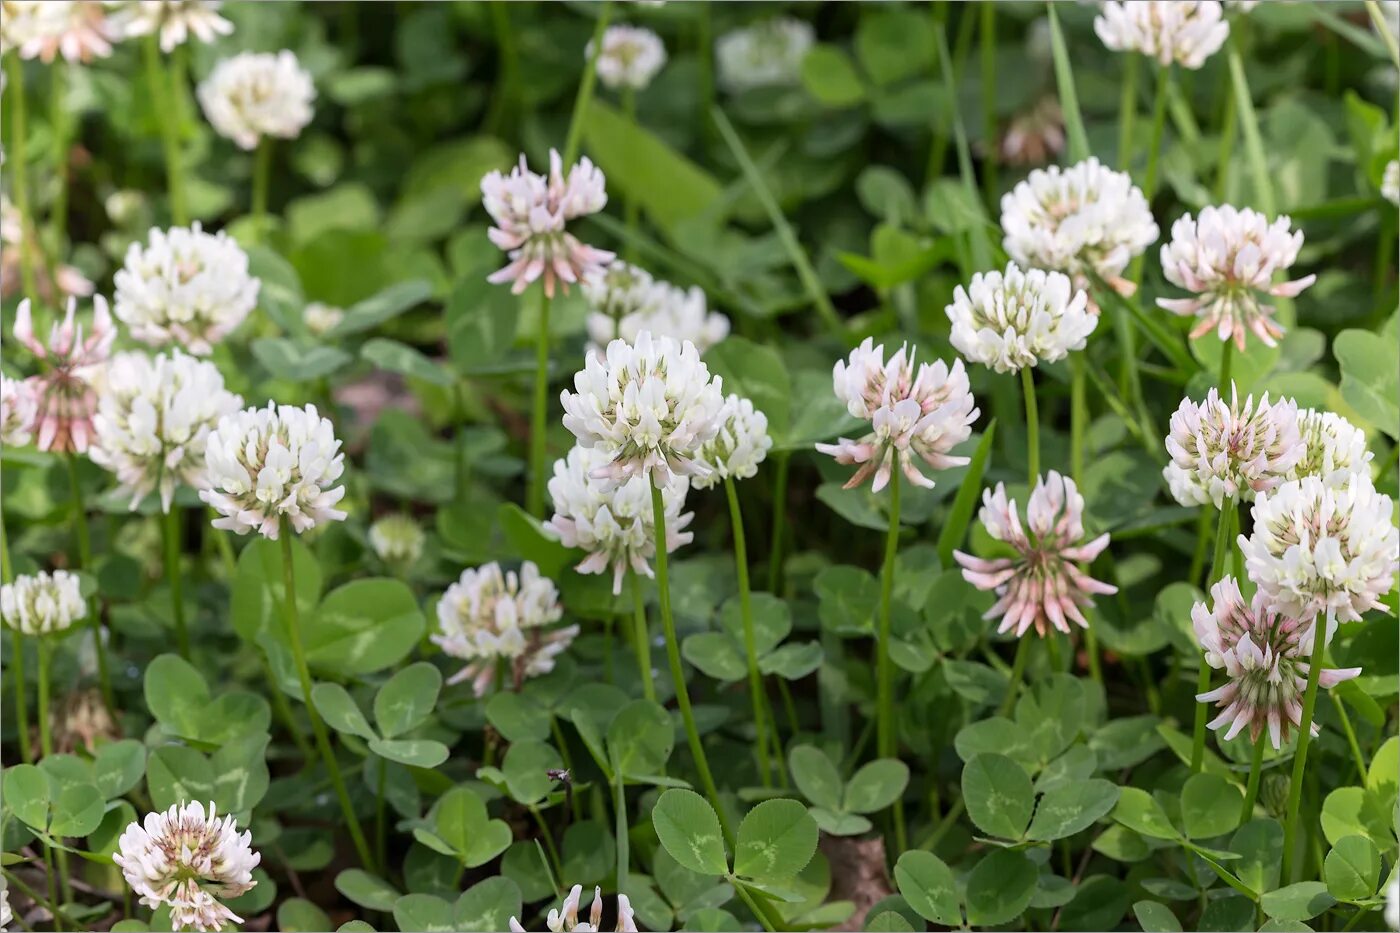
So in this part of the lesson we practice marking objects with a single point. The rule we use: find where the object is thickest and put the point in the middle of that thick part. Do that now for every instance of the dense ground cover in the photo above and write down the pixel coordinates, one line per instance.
(784, 466)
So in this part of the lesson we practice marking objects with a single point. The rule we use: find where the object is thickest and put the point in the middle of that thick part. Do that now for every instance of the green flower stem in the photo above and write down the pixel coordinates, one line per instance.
(741, 566)
(752, 902)
(381, 851)
(538, 412)
(1300, 757)
(159, 86)
(1032, 425)
(988, 61)
(704, 52)
(1228, 126)
(1217, 568)
(1078, 417)
(550, 848)
(60, 128)
(170, 526)
(1018, 676)
(7, 575)
(775, 546)
(262, 173)
(84, 541)
(283, 709)
(45, 732)
(622, 841)
(1159, 122)
(1251, 789)
(885, 739)
(1347, 730)
(323, 742)
(673, 655)
(18, 162)
(1127, 112)
(585, 87)
(61, 922)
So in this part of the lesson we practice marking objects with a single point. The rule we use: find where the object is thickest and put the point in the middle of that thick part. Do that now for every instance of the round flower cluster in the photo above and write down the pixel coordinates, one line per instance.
(187, 861)
(320, 319)
(614, 523)
(266, 464)
(627, 300)
(1086, 218)
(1015, 319)
(740, 446)
(173, 20)
(924, 413)
(1333, 448)
(257, 94)
(1265, 652)
(19, 407)
(1318, 548)
(764, 54)
(1185, 32)
(489, 614)
(42, 603)
(1225, 256)
(186, 286)
(649, 406)
(1390, 182)
(630, 57)
(1042, 583)
(531, 213)
(1231, 451)
(154, 418)
(64, 391)
(396, 539)
(45, 29)
(565, 919)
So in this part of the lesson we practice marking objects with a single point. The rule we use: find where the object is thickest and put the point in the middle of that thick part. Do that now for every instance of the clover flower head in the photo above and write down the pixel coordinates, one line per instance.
(1185, 32)
(491, 614)
(632, 302)
(1042, 583)
(45, 29)
(65, 390)
(649, 405)
(565, 919)
(154, 419)
(531, 214)
(66, 280)
(1333, 448)
(1011, 320)
(1266, 654)
(613, 522)
(266, 464)
(187, 861)
(174, 21)
(1232, 451)
(630, 57)
(185, 286)
(320, 318)
(1080, 220)
(6, 915)
(257, 94)
(923, 413)
(740, 446)
(396, 539)
(19, 408)
(763, 54)
(1226, 256)
(619, 290)
(1319, 548)
(1390, 182)
(42, 603)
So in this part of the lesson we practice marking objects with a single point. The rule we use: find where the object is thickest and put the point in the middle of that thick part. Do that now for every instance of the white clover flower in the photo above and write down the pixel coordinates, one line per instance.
(619, 290)
(257, 94)
(185, 286)
(1334, 448)
(764, 54)
(1390, 182)
(266, 464)
(65, 390)
(187, 861)
(1234, 451)
(19, 409)
(153, 420)
(1392, 890)
(173, 20)
(924, 413)
(565, 919)
(531, 213)
(42, 603)
(740, 446)
(1318, 548)
(490, 614)
(613, 523)
(45, 29)
(1186, 32)
(396, 539)
(630, 57)
(649, 406)
(6, 915)
(1015, 319)
(321, 318)
(634, 303)
(1225, 256)
(1087, 218)
(1266, 654)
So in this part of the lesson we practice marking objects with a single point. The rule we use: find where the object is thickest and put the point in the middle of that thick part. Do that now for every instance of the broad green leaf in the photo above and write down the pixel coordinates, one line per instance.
(776, 841)
(1352, 868)
(792, 661)
(418, 753)
(830, 76)
(1071, 807)
(928, 885)
(362, 627)
(716, 655)
(1000, 888)
(876, 785)
(529, 541)
(488, 905)
(839, 824)
(405, 360)
(294, 361)
(176, 694)
(460, 820)
(755, 372)
(1210, 806)
(407, 699)
(481, 319)
(340, 711)
(118, 767)
(381, 307)
(424, 913)
(525, 767)
(517, 716)
(1259, 845)
(1139, 811)
(77, 811)
(640, 739)
(816, 777)
(1351, 811)
(998, 795)
(887, 921)
(367, 890)
(295, 915)
(176, 774)
(688, 829)
(240, 772)
(1371, 376)
(1301, 901)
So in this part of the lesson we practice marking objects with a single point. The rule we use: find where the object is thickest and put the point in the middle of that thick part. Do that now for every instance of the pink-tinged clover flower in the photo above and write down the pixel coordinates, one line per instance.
(565, 919)
(923, 412)
(1042, 583)
(531, 213)
(1265, 652)
(1231, 451)
(72, 360)
(19, 407)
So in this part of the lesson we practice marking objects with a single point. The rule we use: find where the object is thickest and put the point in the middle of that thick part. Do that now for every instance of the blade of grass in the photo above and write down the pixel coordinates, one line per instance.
(1383, 30)
(1253, 141)
(965, 502)
(1069, 99)
(1157, 332)
(1363, 39)
(977, 235)
(585, 86)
